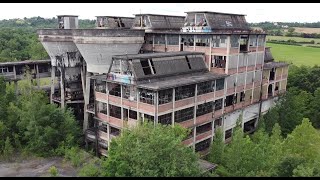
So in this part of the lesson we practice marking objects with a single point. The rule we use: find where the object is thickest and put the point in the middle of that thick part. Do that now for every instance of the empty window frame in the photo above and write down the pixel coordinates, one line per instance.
(159, 39)
(115, 89)
(187, 40)
(165, 119)
(234, 41)
(147, 66)
(103, 108)
(183, 92)
(184, 115)
(165, 96)
(204, 108)
(261, 40)
(190, 20)
(205, 87)
(204, 128)
(218, 104)
(125, 114)
(219, 84)
(218, 61)
(173, 39)
(200, 20)
(277, 86)
(125, 91)
(148, 38)
(146, 96)
(148, 118)
(229, 100)
(133, 114)
(115, 111)
(244, 43)
(114, 131)
(253, 40)
(218, 123)
(219, 41)
(242, 96)
(203, 40)
(228, 134)
(203, 145)
(3, 69)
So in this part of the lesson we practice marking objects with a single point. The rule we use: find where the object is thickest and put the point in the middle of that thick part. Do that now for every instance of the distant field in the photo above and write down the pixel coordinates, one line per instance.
(297, 39)
(298, 55)
(306, 30)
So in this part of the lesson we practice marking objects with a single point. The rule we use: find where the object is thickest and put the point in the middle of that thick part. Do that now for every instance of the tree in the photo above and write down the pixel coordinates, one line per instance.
(8, 149)
(149, 150)
(217, 147)
(314, 109)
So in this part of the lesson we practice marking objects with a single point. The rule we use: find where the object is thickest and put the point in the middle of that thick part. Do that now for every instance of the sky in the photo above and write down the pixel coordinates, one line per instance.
(255, 12)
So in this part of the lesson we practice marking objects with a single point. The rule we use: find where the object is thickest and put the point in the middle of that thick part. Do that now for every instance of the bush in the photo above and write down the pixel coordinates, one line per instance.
(53, 171)
(77, 156)
(91, 169)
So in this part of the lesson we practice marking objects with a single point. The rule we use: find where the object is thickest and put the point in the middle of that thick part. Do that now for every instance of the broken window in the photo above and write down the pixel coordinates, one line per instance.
(261, 40)
(228, 134)
(148, 38)
(187, 40)
(159, 39)
(243, 43)
(148, 118)
(128, 92)
(165, 119)
(277, 86)
(103, 108)
(125, 114)
(133, 114)
(219, 84)
(219, 41)
(61, 22)
(203, 40)
(3, 69)
(146, 96)
(183, 92)
(183, 115)
(115, 89)
(249, 126)
(272, 74)
(205, 108)
(218, 104)
(218, 123)
(147, 66)
(203, 145)
(173, 39)
(253, 40)
(190, 20)
(205, 87)
(242, 96)
(234, 41)
(218, 61)
(114, 131)
(229, 100)
(115, 111)
(165, 96)
(204, 128)
(200, 20)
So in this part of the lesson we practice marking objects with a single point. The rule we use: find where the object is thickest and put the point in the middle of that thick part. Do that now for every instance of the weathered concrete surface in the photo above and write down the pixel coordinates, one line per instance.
(36, 168)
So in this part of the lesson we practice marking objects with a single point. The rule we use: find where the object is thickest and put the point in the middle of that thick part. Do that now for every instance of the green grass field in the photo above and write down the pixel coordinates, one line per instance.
(297, 39)
(298, 55)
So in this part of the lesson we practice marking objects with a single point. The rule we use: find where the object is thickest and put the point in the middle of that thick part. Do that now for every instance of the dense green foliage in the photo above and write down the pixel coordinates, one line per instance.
(151, 151)
(28, 123)
(19, 40)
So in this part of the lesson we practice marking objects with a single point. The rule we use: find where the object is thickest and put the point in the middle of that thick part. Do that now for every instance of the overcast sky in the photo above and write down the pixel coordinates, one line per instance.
(256, 12)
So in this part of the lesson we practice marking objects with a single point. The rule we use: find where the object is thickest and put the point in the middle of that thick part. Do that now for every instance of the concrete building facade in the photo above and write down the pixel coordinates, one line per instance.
(202, 71)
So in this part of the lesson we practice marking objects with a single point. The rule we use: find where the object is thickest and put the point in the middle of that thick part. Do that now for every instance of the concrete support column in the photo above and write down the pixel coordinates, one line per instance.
(38, 76)
(53, 75)
(86, 102)
(62, 88)
(173, 102)
(156, 104)
(195, 116)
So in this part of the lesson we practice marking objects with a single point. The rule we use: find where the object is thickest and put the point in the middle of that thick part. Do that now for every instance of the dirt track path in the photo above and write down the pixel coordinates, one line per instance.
(36, 168)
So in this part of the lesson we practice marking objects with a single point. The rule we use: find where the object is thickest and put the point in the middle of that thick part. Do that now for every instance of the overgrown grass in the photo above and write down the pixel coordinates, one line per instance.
(298, 55)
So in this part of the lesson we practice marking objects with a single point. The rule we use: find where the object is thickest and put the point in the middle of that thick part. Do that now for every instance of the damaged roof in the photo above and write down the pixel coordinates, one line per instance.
(181, 80)
(271, 65)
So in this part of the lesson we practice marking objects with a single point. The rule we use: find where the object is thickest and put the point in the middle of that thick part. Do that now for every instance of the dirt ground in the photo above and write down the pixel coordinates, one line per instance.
(36, 167)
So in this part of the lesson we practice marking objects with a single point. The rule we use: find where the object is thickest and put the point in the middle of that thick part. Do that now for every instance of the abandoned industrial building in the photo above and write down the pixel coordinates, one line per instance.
(202, 71)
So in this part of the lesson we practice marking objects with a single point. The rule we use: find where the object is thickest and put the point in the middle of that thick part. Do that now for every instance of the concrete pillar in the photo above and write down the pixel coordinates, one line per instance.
(156, 104)
(195, 116)
(62, 88)
(86, 102)
(15, 72)
(53, 75)
(38, 76)
(173, 102)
